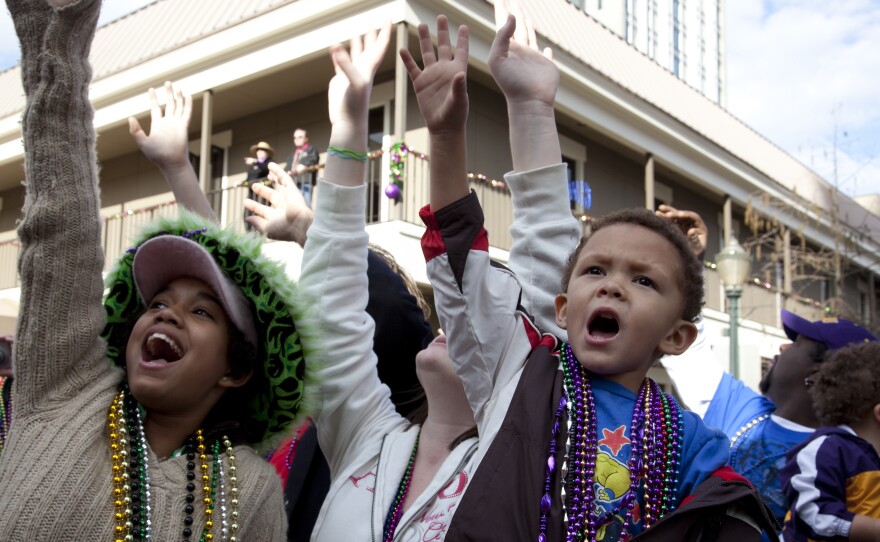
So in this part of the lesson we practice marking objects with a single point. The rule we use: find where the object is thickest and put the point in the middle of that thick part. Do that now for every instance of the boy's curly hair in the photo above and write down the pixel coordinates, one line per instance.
(691, 279)
(847, 386)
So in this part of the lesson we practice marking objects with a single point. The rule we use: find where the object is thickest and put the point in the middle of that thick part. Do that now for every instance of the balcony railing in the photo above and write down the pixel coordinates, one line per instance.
(120, 223)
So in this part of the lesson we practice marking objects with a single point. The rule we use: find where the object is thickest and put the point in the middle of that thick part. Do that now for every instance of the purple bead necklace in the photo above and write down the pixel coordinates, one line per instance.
(656, 438)
(396, 510)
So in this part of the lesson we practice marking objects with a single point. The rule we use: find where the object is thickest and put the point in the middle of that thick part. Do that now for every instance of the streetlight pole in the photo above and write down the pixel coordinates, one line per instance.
(733, 295)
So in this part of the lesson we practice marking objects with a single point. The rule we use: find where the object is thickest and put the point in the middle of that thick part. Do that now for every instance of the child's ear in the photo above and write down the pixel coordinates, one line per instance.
(561, 310)
(680, 337)
(232, 381)
(876, 412)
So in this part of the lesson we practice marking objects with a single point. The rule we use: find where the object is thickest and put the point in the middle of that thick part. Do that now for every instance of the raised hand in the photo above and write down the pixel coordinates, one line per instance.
(440, 86)
(529, 79)
(348, 94)
(690, 223)
(287, 218)
(348, 98)
(520, 68)
(167, 141)
(166, 146)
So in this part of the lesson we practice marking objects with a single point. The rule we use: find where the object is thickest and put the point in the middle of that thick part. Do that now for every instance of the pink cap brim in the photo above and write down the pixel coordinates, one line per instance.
(166, 258)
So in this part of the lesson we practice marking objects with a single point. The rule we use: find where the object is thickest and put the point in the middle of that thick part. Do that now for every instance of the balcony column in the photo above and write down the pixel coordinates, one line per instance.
(649, 182)
(205, 147)
(401, 87)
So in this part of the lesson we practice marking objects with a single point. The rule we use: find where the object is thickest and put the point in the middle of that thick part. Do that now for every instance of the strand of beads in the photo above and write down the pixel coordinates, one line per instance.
(138, 470)
(222, 500)
(233, 489)
(290, 450)
(189, 508)
(672, 452)
(118, 444)
(5, 409)
(396, 510)
(546, 500)
(654, 456)
(207, 534)
(742, 434)
(207, 500)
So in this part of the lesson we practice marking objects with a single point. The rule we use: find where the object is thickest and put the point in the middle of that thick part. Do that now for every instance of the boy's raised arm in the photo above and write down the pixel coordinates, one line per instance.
(543, 231)
(476, 302)
(529, 80)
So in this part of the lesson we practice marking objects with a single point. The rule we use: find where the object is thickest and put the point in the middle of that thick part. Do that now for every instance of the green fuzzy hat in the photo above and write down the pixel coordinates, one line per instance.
(277, 313)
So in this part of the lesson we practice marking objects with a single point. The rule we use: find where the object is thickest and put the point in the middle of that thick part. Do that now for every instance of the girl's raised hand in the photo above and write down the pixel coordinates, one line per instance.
(166, 144)
(348, 94)
(440, 86)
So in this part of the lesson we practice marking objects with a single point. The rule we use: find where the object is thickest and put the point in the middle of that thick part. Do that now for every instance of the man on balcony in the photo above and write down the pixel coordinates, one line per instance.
(303, 156)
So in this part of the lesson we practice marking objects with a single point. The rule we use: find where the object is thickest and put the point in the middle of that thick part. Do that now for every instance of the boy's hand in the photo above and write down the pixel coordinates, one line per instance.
(166, 145)
(288, 218)
(440, 87)
(691, 225)
(523, 72)
(348, 94)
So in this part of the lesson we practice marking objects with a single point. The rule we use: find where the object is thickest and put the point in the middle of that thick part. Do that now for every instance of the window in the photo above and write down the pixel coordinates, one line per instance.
(630, 22)
(676, 38)
(574, 154)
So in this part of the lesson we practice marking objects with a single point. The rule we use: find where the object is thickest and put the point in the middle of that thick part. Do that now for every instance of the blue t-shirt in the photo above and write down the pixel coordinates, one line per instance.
(758, 453)
(703, 451)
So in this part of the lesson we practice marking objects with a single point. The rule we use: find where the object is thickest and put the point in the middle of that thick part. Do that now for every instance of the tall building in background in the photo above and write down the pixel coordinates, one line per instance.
(684, 36)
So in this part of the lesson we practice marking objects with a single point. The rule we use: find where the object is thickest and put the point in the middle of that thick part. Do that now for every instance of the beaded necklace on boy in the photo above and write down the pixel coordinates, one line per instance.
(654, 461)
(131, 477)
(5, 409)
(396, 510)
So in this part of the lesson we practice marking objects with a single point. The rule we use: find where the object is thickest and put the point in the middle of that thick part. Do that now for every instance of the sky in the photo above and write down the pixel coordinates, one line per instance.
(803, 73)
(806, 75)
(9, 53)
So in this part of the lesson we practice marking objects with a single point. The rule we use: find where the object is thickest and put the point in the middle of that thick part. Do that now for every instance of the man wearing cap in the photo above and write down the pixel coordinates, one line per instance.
(763, 428)
(258, 168)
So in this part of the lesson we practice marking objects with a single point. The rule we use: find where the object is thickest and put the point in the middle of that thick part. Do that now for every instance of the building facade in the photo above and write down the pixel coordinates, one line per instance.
(684, 36)
(632, 133)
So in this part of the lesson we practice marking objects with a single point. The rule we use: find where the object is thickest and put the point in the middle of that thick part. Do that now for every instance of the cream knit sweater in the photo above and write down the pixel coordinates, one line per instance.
(55, 471)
